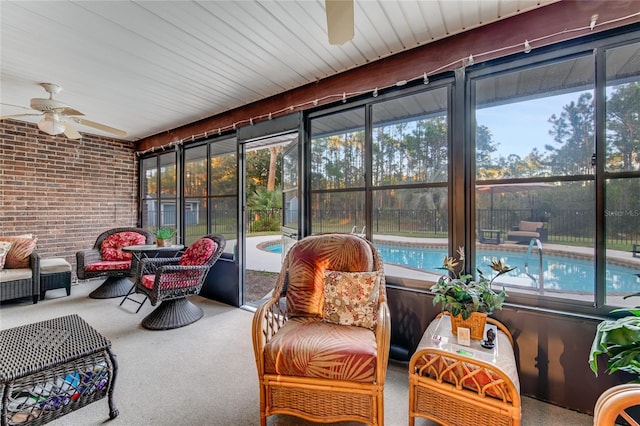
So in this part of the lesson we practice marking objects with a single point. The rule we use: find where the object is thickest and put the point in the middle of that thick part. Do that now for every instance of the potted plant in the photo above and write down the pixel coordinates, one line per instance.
(619, 339)
(164, 236)
(468, 301)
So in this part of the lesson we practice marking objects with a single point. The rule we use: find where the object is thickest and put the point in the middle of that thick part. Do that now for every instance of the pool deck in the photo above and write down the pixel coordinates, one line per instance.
(261, 260)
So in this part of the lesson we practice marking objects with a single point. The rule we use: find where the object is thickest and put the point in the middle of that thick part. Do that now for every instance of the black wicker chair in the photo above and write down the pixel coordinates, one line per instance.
(170, 280)
(117, 283)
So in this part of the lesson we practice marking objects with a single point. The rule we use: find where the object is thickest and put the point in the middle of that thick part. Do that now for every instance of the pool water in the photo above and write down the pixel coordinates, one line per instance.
(273, 248)
(560, 273)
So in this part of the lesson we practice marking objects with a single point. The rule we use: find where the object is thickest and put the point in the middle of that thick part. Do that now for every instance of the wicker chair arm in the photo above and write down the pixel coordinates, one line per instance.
(34, 264)
(267, 320)
(150, 265)
(84, 258)
(169, 268)
(383, 340)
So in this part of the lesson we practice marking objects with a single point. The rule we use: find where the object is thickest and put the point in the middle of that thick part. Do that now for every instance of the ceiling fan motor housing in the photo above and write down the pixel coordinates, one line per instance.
(45, 105)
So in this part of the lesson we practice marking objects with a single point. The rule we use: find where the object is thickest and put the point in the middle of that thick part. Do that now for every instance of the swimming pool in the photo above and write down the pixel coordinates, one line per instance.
(560, 272)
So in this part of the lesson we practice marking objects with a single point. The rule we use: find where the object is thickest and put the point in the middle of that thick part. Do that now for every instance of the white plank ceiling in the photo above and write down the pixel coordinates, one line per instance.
(150, 66)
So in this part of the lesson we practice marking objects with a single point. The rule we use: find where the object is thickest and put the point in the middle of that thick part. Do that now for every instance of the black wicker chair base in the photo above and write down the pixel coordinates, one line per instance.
(172, 314)
(112, 287)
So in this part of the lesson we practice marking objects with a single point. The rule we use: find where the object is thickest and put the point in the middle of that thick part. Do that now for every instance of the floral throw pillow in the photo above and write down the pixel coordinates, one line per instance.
(351, 298)
(4, 249)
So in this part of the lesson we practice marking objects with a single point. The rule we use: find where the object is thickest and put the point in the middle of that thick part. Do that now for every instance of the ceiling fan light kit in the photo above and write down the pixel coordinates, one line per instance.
(51, 124)
(55, 113)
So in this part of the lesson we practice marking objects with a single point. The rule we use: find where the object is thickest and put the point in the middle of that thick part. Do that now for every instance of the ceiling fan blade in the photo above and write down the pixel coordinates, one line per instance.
(19, 115)
(99, 126)
(16, 106)
(339, 20)
(70, 132)
(68, 111)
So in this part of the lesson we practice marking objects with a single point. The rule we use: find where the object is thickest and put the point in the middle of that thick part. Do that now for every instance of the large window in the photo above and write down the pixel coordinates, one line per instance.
(158, 186)
(537, 162)
(393, 189)
(622, 169)
(223, 193)
(532, 159)
(211, 190)
(535, 193)
(338, 172)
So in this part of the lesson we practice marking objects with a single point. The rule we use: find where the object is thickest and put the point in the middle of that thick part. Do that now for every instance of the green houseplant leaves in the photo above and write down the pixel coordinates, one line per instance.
(619, 339)
(459, 294)
(165, 233)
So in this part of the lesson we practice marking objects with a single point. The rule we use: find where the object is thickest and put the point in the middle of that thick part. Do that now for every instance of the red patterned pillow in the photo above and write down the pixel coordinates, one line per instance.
(111, 248)
(19, 254)
(198, 253)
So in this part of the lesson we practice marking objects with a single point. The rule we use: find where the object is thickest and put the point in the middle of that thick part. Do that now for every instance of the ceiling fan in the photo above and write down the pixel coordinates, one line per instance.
(339, 20)
(57, 116)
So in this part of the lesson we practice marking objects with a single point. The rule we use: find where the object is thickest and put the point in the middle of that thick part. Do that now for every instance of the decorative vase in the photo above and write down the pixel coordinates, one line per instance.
(475, 323)
(163, 243)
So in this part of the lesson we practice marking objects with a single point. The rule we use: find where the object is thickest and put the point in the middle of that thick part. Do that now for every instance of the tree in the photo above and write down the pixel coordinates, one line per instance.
(274, 152)
(573, 131)
(623, 126)
(258, 168)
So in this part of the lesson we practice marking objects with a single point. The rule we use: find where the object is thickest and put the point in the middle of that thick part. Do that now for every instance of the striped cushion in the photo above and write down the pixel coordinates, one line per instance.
(19, 254)
(310, 347)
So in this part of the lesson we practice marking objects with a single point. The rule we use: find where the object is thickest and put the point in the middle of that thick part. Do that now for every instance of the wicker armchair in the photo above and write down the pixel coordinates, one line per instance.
(23, 282)
(315, 361)
(613, 404)
(111, 261)
(170, 280)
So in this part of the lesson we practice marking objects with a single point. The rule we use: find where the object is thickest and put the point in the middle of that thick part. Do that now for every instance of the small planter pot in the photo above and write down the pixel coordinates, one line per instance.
(164, 243)
(475, 323)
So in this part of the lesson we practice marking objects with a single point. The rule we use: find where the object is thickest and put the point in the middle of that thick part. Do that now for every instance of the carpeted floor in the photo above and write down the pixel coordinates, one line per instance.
(202, 374)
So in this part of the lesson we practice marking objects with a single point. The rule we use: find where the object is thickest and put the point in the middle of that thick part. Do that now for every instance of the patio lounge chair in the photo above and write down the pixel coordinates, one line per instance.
(526, 231)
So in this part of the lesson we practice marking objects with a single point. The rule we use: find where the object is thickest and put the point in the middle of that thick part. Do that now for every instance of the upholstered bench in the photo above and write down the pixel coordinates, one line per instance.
(54, 273)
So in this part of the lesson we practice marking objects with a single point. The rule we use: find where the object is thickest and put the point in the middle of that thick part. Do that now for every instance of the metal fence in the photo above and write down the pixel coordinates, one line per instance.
(563, 225)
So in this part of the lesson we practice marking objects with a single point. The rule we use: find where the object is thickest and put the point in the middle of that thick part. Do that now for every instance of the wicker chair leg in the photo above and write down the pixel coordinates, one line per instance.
(112, 287)
(263, 417)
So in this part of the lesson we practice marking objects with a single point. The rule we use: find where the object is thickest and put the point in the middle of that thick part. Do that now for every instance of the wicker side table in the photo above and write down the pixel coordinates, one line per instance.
(464, 385)
(53, 367)
(54, 273)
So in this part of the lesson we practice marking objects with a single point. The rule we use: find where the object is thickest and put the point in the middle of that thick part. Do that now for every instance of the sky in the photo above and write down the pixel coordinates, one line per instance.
(519, 127)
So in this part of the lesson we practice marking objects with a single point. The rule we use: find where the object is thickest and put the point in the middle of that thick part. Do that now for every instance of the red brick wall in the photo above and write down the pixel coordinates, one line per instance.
(64, 191)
